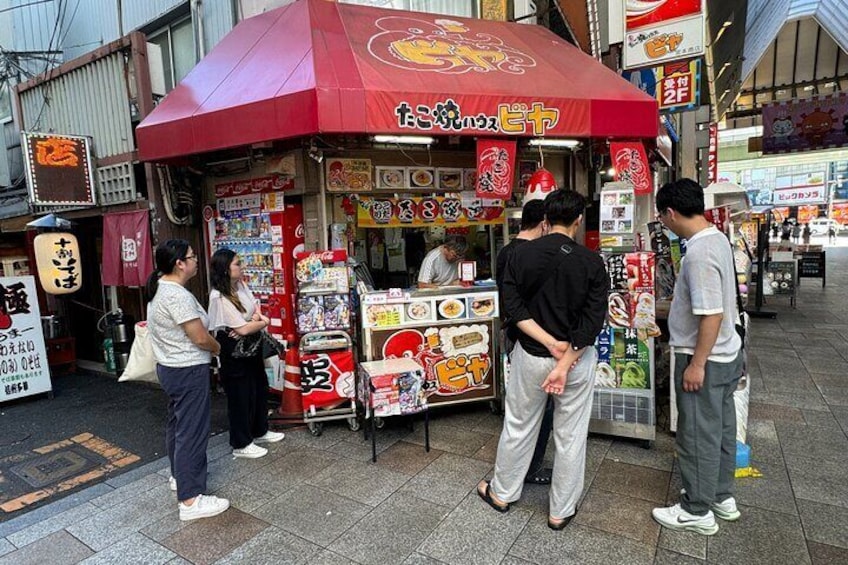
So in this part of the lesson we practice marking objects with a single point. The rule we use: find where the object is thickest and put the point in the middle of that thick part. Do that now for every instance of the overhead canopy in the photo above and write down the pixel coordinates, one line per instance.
(315, 66)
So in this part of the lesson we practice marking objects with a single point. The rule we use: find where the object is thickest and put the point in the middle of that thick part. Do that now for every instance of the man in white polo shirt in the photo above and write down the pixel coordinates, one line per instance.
(708, 363)
(441, 265)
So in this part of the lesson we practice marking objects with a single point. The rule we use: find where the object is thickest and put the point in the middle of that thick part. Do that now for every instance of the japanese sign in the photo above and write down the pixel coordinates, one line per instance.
(261, 185)
(616, 213)
(805, 125)
(660, 31)
(719, 217)
(631, 165)
(58, 258)
(326, 379)
(457, 358)
(661, 246)
(676, 86)
(712, 155)
(348, 175)
(624, 360)
(23, 358)
(495, 168)
(511, 119)
(427, 211)
(59, 169)
(127, 253)
(804, 195)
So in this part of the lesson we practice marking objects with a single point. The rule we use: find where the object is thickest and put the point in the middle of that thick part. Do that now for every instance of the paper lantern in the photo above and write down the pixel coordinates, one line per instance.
(540, 184)
(57, 259)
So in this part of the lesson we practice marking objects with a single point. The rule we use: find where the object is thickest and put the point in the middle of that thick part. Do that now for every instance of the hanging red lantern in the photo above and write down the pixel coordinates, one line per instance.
(540, 184)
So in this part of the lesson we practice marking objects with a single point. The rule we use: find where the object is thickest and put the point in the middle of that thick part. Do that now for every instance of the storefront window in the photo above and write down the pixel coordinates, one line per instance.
(178, 51)
(461, 8)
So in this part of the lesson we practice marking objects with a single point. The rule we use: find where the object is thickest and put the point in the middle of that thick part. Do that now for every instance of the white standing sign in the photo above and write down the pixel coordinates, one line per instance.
(23, 358)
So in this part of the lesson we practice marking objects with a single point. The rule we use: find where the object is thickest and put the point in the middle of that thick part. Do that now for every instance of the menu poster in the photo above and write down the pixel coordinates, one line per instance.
(415, 211)
(664, 272)
(617, 211)
(348, 175)
(782, 277)
(23, 358)
(624, 360)
(719, 217)
(631, 299)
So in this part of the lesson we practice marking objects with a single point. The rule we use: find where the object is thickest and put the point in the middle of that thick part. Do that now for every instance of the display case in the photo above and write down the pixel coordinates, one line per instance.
(451, 332)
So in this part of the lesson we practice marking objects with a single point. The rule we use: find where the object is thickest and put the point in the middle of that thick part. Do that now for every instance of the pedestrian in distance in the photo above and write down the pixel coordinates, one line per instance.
(796, 233)
(183, 349)
(234, 315)
(774, 231)
(806, 234)
(533, 226)
(707, 363)
(831, 234)
(555, 291)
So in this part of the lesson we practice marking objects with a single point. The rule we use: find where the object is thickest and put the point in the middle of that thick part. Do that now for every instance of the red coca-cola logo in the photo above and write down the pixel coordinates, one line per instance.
(223, 189)
(241, 187)
(299, 232)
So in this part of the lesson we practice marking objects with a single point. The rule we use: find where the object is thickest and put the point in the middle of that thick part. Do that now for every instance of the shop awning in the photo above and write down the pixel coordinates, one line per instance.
(316, 66)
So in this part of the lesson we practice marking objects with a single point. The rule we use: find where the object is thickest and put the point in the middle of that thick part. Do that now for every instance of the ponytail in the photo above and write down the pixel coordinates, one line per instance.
(167, 254)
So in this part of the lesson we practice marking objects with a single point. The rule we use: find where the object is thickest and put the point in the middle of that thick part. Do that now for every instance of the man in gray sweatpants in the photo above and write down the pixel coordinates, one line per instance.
(707, 363)
(555, 292)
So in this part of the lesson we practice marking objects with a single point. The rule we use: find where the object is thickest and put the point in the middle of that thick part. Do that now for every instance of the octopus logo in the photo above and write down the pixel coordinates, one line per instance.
(443, 46)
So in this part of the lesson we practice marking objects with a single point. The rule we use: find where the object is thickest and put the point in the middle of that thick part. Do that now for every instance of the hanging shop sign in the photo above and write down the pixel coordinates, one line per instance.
(247, 187)
(58, 169)
(57, 257)
(495, 168)
(719, 217)
(807, 213)
(127, 252)
(348, 175)
(660, 31)
(840, 213)
(534, 119)
(23, 358)
(631, 165)
(805, 125)
(712, 155)
(413, 212)
(676, 86)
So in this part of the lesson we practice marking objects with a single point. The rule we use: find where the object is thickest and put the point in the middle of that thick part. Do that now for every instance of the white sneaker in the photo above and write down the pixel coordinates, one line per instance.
(250, 451)
(270, 437)
(204, 507)
(172, 482)
(726, 510)
(676, 518)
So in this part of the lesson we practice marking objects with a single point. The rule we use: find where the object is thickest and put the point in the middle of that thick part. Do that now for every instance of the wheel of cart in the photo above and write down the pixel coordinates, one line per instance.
(327, 380)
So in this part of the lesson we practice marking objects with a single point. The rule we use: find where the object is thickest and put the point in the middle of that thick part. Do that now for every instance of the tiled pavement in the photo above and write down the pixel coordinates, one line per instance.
(319, 500)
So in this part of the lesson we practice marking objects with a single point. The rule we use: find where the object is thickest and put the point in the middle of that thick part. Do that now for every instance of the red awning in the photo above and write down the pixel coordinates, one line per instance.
(317, 66)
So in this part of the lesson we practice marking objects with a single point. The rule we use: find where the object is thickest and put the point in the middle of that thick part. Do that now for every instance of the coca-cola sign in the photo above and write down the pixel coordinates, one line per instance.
(259, 185)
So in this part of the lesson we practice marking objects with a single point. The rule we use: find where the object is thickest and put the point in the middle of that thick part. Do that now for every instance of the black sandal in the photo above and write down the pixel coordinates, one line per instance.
(487, 498)
(560, 525)
(543, 477)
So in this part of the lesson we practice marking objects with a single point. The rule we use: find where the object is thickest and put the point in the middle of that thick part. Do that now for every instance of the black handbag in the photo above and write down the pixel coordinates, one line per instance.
(247, 345)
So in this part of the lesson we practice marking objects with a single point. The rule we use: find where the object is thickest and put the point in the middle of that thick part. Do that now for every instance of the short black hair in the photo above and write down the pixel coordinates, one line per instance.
(684, 196)
(532, 214)
(564, 206)
(457, 244)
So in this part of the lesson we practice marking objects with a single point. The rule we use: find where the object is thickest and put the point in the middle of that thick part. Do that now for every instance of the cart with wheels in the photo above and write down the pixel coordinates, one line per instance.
(328, 380)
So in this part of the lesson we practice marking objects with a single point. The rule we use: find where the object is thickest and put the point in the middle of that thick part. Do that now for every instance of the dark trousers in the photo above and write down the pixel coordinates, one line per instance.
(187, 430)
(247, 403)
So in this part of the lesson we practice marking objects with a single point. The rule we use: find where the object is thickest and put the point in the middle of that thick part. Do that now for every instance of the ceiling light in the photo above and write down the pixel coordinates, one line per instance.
(546, 142)
(611, 172)
(404, 139)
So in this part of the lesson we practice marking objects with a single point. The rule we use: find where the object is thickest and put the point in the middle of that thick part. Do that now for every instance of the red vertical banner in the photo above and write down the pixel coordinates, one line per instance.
(127, 252)
(712, 158)
(631, 165)
(495, 168)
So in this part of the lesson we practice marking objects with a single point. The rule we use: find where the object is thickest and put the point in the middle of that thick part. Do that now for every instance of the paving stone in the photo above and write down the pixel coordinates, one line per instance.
(660, 456)
(114, 524)
(824, 523)
(773, 491)
(686, 543)
(53, 524)
(446, 437)
(37, 515)
(774, 412)
(447, 480)
(6, 547)
(632, 480)
(272, 547)
(391, 532)
(759, 537)
(820, 419)
(243, 497)
(164, 527)
(333, 433)
(474, 534)
(59, 548)
(666, 557)
(207, 540)
(790, 383)
(809, 400)
(577, 544)
(489, 423)
(363, 482)
(133, 550)
(619, 514)
(289, 471)
(815, 443)
(227, 469)
(510, 560)
(835, 395)
(129, 490)
(407, 458)
(139, 472)
(762, 438)
(313, 514)
(327, 557)
(488, 451)
(826, 364)
(822, 554)
(839, 412)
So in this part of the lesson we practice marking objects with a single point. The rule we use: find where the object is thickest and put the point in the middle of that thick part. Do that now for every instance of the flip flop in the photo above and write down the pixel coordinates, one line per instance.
(543, 477)
(487, 498)
(560, 524)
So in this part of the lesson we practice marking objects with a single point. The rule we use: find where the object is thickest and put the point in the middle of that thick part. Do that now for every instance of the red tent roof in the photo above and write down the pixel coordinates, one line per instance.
(316, 66)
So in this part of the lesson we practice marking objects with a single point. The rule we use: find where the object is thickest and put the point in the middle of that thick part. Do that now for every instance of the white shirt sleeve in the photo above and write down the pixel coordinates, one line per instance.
(705, 286)
(223, 313)
(425, 275)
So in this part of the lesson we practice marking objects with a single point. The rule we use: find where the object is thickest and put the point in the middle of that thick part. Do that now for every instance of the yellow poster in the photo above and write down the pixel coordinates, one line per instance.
(416, 212)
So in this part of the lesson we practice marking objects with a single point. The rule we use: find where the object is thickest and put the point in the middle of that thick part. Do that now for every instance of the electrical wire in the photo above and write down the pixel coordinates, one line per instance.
(46, 88)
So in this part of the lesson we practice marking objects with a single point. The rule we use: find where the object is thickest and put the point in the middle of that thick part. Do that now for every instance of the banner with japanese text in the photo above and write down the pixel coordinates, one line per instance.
(495, 168)
(23, 358)
(676, 86)
(656, 32)
(412, 212)
(631, 165)
(127, 252)
(59, 169)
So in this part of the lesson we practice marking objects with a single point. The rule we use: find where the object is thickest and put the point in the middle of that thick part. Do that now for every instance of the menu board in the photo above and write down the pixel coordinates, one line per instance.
(23, 358)
(616, 211)
(782, 277)
(348, 175)
(624, 360)
(380, 311)
(414, 211)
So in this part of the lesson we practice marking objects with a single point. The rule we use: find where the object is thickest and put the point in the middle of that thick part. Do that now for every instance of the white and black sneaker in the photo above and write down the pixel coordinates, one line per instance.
(676, 518)
(725, 510)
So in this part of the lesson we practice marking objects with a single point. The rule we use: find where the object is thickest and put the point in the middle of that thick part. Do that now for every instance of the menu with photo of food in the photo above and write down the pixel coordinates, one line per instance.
(421, 177)
(348, 175)
(391, 178)
(449, 179)
(616, 212)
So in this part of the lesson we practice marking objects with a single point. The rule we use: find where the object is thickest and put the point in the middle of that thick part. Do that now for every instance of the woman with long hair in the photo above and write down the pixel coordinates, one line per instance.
(234, 315)
(183, 349)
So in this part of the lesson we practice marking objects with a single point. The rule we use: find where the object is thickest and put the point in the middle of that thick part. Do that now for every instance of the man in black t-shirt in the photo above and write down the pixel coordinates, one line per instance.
(555, 292)
(533, 226)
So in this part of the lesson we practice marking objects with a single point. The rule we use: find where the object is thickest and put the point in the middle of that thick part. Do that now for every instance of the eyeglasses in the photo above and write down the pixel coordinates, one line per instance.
(661, 213)
(190, 257)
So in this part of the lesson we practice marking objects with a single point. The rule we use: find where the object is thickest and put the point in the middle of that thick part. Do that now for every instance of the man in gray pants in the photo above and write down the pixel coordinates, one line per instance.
(555, 291)
(708, 363)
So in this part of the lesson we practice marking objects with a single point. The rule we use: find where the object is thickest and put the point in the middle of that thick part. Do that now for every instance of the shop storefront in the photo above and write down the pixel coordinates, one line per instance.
(370, 126)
